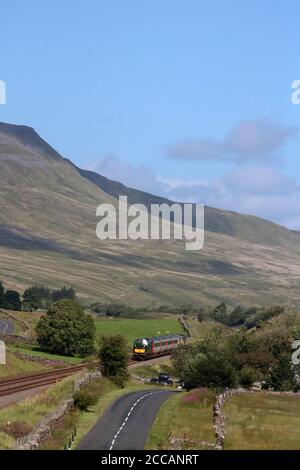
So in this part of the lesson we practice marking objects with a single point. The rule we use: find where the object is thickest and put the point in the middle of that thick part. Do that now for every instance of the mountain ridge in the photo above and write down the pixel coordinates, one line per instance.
(47, 235)
(31, 138)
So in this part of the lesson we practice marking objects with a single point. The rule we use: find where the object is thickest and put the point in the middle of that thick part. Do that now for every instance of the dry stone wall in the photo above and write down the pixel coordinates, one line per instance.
(43, 430)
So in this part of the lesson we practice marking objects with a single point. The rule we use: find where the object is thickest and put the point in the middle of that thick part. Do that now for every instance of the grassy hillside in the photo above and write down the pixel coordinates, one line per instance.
(47, 235)
(246, 227)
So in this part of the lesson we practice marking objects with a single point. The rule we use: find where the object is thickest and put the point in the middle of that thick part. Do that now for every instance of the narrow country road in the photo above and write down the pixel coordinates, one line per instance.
(126, 424)
(6, 326)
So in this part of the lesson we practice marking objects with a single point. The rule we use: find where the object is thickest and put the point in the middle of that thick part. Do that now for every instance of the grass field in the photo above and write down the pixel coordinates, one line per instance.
(201, 329)
(34, 351)
(148, 371)
(16, 366)
(26, 414)
(185, 415)
(31, 318)
(132, 329)
(262, 421)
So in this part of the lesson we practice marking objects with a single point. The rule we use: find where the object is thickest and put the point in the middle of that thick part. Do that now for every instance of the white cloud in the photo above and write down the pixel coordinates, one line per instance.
(248, 141)
(256, 190)
(112, 167)
(252, 189)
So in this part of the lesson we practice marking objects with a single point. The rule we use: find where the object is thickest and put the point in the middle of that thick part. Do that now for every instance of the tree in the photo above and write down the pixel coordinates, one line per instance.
(35, 297)
(186, 309)
(249, 375)
(113, 357)
(1, 295)
(66, 329)
(282, 376)
(204, 364)
(182, 357)
(220, 313)
(237, 316)
(12, 300)
(200, 315)
(64, 293)
(210, 371)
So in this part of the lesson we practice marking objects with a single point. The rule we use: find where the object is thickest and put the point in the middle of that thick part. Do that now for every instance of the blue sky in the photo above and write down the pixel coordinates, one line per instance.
(189, 99)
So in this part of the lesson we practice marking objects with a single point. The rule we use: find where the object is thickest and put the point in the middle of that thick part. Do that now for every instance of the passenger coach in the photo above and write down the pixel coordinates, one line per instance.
(146, 348)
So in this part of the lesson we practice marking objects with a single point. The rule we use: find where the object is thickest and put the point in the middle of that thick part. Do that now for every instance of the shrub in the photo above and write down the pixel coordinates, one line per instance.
(206, 363)
(66, 329)
(282, 375)
(84, 398)
(198, 395)
(16, 429)
(248, 375)
(220, 313)
(114, 359)
(120, 379)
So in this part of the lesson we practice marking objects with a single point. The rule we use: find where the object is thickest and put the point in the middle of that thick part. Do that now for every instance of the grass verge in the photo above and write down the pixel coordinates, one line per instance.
(34, 351)
(83, 421)
(261, 421)
(16, 365)
(184, 416)
(88, 419)
(26, 414)
(148, 371)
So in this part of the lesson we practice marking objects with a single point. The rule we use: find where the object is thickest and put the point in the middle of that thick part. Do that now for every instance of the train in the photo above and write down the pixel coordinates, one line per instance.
(147, 348)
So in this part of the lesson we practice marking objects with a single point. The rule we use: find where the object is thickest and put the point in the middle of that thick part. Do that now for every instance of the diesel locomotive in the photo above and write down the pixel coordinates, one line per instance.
(146, 348)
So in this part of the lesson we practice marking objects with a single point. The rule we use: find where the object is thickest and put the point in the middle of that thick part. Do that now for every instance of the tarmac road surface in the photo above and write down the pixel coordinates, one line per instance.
(125, 425)
(6, 326)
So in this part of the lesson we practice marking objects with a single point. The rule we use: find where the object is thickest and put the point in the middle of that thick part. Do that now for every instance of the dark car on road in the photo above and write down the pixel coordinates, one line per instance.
(162, 379)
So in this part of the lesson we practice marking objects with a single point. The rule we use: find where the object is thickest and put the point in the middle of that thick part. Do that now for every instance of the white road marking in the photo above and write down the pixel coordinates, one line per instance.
(128, 415)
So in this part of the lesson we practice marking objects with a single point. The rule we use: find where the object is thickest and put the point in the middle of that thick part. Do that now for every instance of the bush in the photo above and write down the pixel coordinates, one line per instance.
(113, 357)
(120, 379)
(220, 313)
(248, 375)
(66, 329)
(211, 372)
(16, 429)
(84, 398)
(204, 364)
(198, 396)
(282, 375)
(262, 361)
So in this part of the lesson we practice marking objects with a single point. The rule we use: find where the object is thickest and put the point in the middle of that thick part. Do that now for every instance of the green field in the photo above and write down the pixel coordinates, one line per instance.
(34, 351)
(201, 329)
(185, 415)
(132, 329)
(148, 371)
(263, 421)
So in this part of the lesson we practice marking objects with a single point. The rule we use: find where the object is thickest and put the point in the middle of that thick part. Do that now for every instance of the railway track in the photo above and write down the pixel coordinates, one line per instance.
(29, 381)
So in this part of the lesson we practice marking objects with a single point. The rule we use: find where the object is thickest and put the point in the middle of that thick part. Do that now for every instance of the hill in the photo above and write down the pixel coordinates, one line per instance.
(47, 234)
